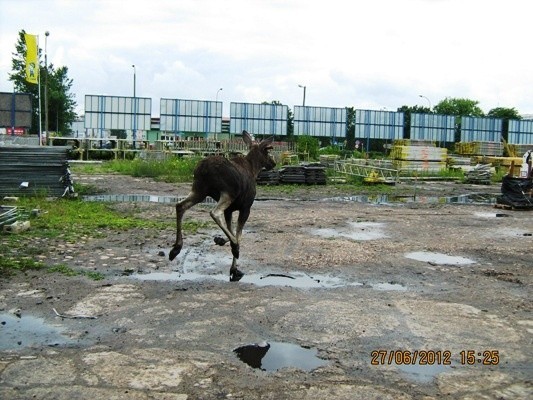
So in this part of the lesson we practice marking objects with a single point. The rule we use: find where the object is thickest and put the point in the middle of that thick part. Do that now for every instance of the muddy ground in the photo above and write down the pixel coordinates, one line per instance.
(370, 287)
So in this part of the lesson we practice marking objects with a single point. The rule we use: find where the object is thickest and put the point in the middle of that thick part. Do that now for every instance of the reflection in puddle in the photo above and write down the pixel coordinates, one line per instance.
(438, 258)
(28, 331)
(422, 373)
(357, 231)
(277, 355)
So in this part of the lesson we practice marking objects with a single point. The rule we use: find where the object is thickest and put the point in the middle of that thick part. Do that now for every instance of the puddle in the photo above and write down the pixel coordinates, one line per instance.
(438, 258)
(293, 279)
(125, 198)
(27, 331)
(357, 231)
(474, 198)
(422, 373)
(274, 356)
(389, 286)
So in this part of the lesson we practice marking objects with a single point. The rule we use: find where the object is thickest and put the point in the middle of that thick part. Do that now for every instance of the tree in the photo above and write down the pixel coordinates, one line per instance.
(61, 103)
(459, 107)
(504, 113)
(350, 128)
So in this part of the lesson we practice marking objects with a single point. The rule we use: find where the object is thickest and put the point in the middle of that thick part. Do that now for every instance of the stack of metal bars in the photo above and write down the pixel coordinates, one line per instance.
(8, 215)
(30, 171)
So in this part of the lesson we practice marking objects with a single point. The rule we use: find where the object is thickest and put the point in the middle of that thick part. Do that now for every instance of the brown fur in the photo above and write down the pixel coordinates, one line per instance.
(232, 184)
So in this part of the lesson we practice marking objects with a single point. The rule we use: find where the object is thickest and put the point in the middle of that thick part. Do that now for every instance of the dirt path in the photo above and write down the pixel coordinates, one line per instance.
(397, 298)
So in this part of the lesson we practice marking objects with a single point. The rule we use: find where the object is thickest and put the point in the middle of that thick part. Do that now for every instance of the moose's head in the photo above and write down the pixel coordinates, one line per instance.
(259, 151)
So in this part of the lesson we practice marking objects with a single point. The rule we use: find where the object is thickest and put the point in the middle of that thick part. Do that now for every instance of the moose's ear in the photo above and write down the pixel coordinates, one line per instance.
(267, 143)
(247, 138)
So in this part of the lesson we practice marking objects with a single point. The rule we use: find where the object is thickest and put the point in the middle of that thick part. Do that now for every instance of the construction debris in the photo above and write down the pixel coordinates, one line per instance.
(13, 219)
(310, 174)
(418, 158)
(30, 171)
(480, 174)
(480, 148)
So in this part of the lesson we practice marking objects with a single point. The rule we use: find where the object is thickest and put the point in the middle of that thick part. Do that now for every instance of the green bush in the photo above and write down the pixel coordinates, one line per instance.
(308, 144)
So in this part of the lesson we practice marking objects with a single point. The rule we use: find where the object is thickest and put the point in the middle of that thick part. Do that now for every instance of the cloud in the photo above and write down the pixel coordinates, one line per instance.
(368, 54)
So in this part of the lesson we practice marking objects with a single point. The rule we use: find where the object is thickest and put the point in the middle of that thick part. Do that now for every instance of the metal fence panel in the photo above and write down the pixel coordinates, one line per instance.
(15, 110)
(114, 112)
(320, 121)
(259, 119)
(379, 124)
(191, 116)
(476, 129)
(433, 127)
(520, 132)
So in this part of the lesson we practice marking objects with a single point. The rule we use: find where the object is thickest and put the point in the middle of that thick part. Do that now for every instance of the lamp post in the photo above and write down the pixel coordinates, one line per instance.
(216, 99)
(429, 101)
(304, 88)
(46, 34)
(134, 78)
(134, 106)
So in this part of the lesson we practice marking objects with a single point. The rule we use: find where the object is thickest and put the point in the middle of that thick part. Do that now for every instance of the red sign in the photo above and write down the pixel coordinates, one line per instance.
(18, 131)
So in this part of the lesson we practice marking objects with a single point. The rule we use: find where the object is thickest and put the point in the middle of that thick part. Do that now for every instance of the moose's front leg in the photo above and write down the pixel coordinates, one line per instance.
(235, 274)
(181, 207)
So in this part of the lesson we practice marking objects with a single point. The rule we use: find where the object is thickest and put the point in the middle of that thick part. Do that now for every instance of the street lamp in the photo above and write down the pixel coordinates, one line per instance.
(134, 106)
(217, 94)
(304, 87)
(134, 78)
(429, 101)
(46, 34)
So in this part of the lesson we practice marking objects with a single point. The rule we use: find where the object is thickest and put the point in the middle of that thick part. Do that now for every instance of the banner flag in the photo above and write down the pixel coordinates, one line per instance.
(32, 58)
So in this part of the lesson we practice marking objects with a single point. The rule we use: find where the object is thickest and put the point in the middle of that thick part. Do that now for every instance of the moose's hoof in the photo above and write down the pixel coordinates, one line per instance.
(235, 275)
(220, 240)
(174, 252)
(235, 250)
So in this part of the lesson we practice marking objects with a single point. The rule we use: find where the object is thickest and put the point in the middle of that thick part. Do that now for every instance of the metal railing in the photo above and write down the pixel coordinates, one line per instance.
(378, 171)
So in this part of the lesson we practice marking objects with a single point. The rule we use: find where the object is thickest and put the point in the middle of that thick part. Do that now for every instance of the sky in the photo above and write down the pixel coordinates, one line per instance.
(366, 54)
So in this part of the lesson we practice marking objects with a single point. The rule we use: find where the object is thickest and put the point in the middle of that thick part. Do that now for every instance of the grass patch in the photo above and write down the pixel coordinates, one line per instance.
(70, 221)
(73, 218)
(68, 271)
(169, 170)
(10, 265)
(63, 270)
(64, 220)
(192, 226)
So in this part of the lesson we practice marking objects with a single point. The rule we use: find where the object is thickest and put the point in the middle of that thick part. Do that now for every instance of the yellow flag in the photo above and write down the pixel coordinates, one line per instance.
(32, 58)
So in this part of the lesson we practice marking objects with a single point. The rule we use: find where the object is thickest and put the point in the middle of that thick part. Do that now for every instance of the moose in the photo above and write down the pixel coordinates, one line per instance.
(232, 184)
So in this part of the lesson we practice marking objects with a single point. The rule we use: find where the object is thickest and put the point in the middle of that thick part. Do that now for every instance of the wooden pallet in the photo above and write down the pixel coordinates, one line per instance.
(514, 208)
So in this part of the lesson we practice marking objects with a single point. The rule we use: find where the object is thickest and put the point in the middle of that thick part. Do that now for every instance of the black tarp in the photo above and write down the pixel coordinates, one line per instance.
(516, 192)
